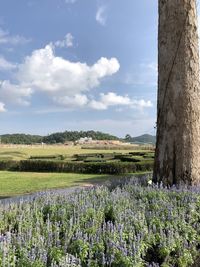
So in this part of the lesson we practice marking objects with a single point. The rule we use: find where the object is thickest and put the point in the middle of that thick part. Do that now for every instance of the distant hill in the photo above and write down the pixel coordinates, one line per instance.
(75, 135)
(20, 139)
(142, 139)
(60, 137)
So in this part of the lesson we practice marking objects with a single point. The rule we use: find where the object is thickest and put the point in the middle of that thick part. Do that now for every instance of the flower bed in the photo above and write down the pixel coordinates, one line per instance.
(131, 225)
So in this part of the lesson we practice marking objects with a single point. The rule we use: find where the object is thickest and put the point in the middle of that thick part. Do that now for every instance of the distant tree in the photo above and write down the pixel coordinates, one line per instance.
(21, 139)
(55, 137)
(128, 137)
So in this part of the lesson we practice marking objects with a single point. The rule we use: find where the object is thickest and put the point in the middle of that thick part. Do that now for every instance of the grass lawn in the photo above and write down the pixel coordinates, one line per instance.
(20, 183)
(24, 152)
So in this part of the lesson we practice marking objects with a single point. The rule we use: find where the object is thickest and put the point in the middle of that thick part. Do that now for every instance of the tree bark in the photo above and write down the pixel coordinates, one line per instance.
(177, 158)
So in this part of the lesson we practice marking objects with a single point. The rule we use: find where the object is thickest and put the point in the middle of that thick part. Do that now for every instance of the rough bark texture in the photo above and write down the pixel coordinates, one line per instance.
(177, 157)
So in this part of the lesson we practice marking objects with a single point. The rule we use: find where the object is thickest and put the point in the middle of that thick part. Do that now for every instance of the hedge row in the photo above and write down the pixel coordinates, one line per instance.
(85, 167)
(61, 157)
(129, 159)
(77, 167)
(112, 147)
(82, 157)
(10, 165)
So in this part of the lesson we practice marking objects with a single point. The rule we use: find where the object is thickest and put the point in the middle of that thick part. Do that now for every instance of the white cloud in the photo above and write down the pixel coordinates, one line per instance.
(44, 71)
(72, 101)
(145, 75)
(141, 104)
(61, 80)
(67, 42)
(98, 105)
(101, 17)
(105, 101)
(112, 99)
(70, 1)
(2, 107)
(6, 65)
(14, 94)
(7, 38)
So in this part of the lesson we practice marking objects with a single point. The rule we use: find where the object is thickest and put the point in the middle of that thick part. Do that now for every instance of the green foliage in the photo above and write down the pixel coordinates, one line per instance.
(81, 249)
(129, 159)
(109, 213)
(75, 135)
(20, 183)
(84, 167)
(21, 139)
(61, 157)
(96, 163)
(11, 165)
(60, 137)
(93, 159)
(112, 147)
(54, 255)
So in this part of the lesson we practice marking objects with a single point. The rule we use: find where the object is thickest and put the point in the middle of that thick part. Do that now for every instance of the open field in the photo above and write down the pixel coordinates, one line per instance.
(18, 152)
(24, 152)
(27, 169)
(20, 183)
(74, 160)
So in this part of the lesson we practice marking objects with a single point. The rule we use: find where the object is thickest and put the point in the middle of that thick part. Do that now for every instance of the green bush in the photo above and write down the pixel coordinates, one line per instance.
(45, 156)
(84, 167)
(129, 159)
(87, 155)
(90, 165)
(10, 165)
(138, 153)
(149, 155)
(120, 156)
(93, 159)
(111, 147)
(145, 165)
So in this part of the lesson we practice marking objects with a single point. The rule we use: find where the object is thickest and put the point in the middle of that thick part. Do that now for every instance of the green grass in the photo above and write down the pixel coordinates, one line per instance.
(20, 183)
(24, 152)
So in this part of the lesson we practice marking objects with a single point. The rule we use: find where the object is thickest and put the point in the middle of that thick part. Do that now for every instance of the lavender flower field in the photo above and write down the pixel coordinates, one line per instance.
(131, 225)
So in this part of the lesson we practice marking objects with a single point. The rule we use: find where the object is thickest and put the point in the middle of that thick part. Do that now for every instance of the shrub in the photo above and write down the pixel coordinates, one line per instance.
(10, 165)
(93, 159)
(129, 159)
(90, 165)
(137, 153)
(84, 167)
(47, 157)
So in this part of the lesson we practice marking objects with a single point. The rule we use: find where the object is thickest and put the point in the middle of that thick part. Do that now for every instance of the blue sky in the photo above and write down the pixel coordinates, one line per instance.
(78, 65)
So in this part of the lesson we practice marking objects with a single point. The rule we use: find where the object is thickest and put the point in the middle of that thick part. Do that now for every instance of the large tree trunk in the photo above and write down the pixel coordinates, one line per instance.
(177, 158)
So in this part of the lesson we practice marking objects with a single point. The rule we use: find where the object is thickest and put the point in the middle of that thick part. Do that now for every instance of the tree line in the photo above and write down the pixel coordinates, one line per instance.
(55, 138)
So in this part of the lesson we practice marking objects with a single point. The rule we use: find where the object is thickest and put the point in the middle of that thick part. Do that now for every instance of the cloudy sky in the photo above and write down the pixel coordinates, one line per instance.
(78, 65)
